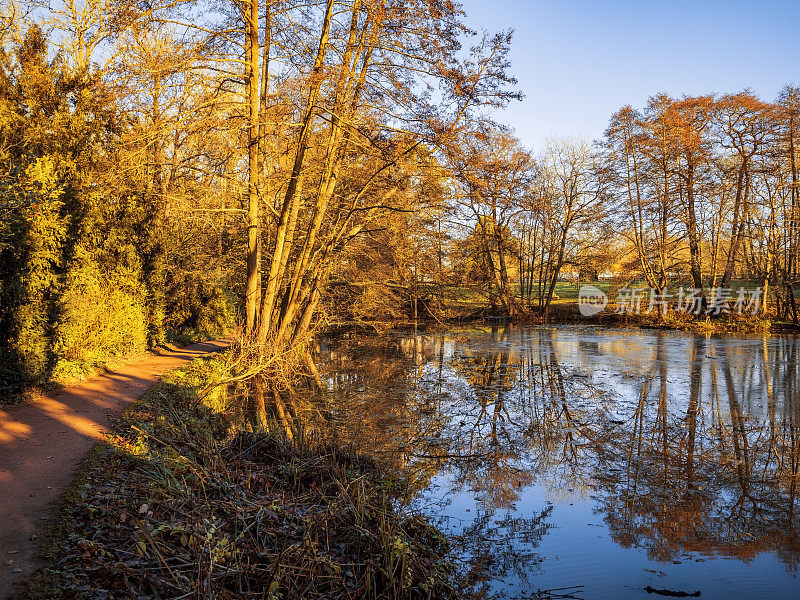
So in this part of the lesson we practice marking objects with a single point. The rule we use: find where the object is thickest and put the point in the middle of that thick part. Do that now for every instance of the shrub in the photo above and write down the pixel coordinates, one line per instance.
(32, 235)
(100, 317)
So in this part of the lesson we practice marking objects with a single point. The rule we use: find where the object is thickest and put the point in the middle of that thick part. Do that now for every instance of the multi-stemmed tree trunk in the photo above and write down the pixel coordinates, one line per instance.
(660, 151)
(743, 119)
(494, 173)
(348, 163)
(575, 184)
(691, 119)
(628, 139)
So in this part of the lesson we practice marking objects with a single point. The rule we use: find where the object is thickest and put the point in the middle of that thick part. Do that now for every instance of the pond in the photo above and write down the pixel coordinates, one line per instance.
(595, 463)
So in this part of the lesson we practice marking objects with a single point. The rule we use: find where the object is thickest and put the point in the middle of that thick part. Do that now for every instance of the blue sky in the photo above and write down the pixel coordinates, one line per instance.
(578, 61)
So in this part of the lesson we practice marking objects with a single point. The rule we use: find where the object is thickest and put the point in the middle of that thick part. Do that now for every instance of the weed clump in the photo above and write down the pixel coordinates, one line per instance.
(182, 503)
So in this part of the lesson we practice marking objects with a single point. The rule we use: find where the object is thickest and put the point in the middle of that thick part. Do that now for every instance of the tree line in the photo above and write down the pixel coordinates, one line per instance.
(700, 191)
(174, 167)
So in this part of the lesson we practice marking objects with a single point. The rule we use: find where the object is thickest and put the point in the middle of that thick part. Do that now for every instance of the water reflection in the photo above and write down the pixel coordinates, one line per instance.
(684, 448)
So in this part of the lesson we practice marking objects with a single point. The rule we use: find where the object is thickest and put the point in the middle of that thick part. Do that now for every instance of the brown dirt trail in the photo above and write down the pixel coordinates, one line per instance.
(43, 442)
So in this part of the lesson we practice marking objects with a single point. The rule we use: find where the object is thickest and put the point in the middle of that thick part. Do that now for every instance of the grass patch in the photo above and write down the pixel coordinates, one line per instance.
(183, 502)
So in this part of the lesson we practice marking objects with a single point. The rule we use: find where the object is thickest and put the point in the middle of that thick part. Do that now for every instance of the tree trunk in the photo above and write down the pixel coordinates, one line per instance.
(737, 225)
(694, 241)
(253, 285)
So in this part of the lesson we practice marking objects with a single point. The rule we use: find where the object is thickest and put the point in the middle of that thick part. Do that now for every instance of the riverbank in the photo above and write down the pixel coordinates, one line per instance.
(183, 501)
(568, 313)
(463, 307)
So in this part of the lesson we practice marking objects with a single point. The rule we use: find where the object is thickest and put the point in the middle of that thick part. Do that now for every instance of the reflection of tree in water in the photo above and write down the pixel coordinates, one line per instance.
(492, 415)
(509, 419)
(487, 425)
(376, 402)
(484, 427)
(712, 478)
(494, 547)
(702, 457)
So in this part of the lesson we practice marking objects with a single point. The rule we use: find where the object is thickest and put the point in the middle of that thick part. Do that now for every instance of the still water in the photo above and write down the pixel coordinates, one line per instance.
(596, 463)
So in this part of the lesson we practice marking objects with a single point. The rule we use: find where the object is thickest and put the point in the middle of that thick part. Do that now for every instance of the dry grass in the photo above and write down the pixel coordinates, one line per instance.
(184, 503)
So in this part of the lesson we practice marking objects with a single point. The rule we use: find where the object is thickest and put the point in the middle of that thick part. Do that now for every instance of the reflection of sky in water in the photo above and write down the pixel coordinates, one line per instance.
(614, 459)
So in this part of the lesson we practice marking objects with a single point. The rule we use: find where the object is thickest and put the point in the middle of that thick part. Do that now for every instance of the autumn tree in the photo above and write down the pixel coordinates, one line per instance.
(570, 187)
(690, 128)
(494, 175)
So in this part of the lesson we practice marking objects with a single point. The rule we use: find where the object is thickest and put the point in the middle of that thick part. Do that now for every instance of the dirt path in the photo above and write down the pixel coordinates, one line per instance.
(43, 442)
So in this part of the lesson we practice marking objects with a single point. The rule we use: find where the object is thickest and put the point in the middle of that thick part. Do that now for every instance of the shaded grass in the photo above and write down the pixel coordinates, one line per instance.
(183, 502)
